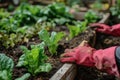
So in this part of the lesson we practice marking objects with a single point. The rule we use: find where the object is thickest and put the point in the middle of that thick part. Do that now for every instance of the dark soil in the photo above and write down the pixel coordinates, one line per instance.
(113, 20)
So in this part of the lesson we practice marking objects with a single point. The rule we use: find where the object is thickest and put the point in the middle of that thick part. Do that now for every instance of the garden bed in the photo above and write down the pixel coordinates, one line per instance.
(16, 52)
(63, 71)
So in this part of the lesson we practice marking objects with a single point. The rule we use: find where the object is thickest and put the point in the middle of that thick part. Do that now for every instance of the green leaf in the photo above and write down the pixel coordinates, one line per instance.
(56, 37)
(113, 11)
(44, 35)
(56, 12)
(51, 41)
(91, 16)
(61, 21)
(44, 68)
(24, 77)
(33, 58)
(35, 53)
(22, 29)
(21, 61)
(83, 25)
(74, 31)
(3, 13)
(24, 49)
(41, 46)
(4, 75)
(77, 28)
(53, 35)
(6, 67)
(118, 16)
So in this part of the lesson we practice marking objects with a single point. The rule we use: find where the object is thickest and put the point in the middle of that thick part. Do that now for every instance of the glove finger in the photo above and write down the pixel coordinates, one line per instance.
(99, 30)
(97, 25)
(94, 25)
(116, 26)
(67, 59)
(68, 50)
(66, 55)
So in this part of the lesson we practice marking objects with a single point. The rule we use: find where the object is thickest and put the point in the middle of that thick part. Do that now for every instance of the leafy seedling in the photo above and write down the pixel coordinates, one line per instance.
(34, 59)
(51, 40)
(6, 67)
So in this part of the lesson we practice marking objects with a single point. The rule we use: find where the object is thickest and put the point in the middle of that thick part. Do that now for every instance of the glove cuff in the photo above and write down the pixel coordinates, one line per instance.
(105, 60)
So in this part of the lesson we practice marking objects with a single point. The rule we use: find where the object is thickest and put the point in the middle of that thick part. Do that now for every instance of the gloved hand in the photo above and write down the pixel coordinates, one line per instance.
(74, 55)
(103, 59)
(113, 30)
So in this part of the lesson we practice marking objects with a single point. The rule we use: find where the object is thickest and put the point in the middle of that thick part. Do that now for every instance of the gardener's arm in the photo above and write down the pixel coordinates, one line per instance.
(111, 30)
(107, 60)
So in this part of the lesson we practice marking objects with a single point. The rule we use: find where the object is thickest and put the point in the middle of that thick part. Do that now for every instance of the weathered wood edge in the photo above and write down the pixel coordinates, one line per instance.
(68, 71)
(105, 18)
(80, 16)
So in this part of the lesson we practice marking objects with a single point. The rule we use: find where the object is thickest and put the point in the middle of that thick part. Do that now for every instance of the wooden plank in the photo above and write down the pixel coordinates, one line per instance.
(105, 18)
(66, 72)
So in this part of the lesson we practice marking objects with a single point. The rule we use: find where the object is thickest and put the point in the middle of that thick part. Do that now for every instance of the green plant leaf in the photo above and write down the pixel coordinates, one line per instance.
(44, 35)
(91, 16)
(74, 31)
(77, 28)
(33, 58)
(22, 61)
(51, 41)
(24, 77)
(44, 68)
(56, 37)
(115, 10)
(6, 67)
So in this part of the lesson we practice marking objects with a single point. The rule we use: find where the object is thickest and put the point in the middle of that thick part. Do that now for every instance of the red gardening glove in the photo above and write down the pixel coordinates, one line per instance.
(103, 59)
(113, 30)
(74, 55)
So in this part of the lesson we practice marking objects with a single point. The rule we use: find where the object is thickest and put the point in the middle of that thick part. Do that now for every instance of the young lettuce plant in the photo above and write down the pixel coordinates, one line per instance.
(34, 59)
(3, 13)
(51, 40)
(57, 13)
(91, 16)
(6, 67)
(77, 28)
